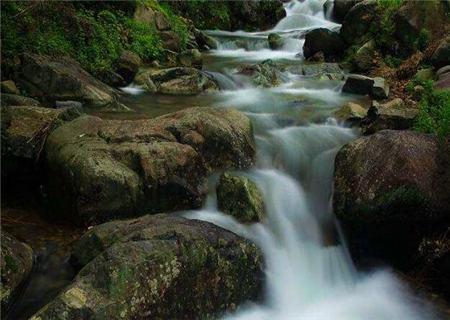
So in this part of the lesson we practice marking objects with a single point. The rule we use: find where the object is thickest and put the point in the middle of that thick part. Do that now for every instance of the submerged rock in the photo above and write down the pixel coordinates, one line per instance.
(16, 264)
(394, 115)
(51, 79)
(323, 40)
(240, 197)
(104, 169)
(275, 41)
(265, 74)
(389, 189)
(158, 267)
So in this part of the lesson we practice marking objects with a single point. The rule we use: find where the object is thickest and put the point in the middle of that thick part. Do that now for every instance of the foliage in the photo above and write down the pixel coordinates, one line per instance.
(93, 33)
(384, 29)
(434, 112)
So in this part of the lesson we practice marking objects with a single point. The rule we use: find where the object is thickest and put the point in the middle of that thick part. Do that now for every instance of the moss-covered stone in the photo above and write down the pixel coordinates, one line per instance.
(351, 112)
(158, 267)
(16, 263)
(101, 169)
(240, 197)
(265, 74)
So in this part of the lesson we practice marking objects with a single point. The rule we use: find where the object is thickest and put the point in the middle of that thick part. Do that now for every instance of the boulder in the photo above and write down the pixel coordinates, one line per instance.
(312, 69)
(171, 40)
(8, 99)
(358, 84)
(416, 17)
(442, 71)
(389, 191)
(380, 89)
(341, 8)
(9, 86)
(16, 263)
(158, 267)
(424, 74)
(351, 112)
(24, 133)
(51, 79)
(181, 81)
(68, 104)
(364, 59)
(240, 197)
(394, 115)
(357, 21)
(443, 81)
(275, 41)
(111, 78)
(104, 169)
(190, 58)
(265, 74)
(323, 40)
(128, 66)
(204, 41)
(441, 56)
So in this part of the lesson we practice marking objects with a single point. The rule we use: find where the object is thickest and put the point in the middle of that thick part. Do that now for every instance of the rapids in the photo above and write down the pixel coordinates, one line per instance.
(309, 273)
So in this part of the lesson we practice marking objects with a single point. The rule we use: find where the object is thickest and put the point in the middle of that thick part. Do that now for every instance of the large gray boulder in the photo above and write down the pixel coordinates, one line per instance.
(389, 190)
(441, 56)
(158, 267)
(16, 263)
(104, 169)
(50, 79)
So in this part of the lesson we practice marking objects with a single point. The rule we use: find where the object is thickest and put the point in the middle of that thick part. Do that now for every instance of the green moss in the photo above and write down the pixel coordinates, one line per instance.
(10, 263)
(92, 33)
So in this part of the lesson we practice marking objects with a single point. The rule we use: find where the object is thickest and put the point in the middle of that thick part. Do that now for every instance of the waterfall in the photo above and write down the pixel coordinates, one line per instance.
(309, 273)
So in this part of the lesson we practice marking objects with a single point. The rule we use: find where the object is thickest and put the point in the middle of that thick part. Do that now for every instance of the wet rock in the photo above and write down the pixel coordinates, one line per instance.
(240, 197)
(111, 78)
(323, 40)
(441, 57)
(389, 191)
(351, 112)
(24, 133)
(394, 115)
(365, 58)
(16, 100)
(191, 58)
(275, 41)
(414, 17)
(320, 68)
(204, 41)
(68, 104)
(358, 84)
(104, 169)
(182, 81)
(265, 74)
(128, 65)
(380, 89)
(16, 264)
(9, 86)
(358, 20)
(51, 79)
(158, 267)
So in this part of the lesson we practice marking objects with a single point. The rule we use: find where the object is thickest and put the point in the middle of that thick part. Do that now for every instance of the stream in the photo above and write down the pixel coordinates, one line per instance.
(309, 272)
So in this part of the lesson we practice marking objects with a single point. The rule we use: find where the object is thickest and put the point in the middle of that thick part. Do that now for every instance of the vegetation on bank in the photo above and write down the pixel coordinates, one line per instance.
(93, 33)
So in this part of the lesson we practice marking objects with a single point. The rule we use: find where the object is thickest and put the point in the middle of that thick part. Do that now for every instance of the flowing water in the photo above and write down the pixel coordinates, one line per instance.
(309, 273)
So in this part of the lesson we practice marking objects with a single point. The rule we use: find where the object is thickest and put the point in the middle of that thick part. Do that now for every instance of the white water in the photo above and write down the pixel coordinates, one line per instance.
(309, 274)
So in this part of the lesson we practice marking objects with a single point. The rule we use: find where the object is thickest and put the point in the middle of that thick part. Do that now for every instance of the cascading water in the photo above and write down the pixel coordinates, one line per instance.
(309, 274)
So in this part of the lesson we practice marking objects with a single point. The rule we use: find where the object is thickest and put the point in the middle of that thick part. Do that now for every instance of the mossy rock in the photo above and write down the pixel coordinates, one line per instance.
(103, 169)
(265, 74)
(240, 197)
(158, 267)
(358, 20)
(16, 264)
